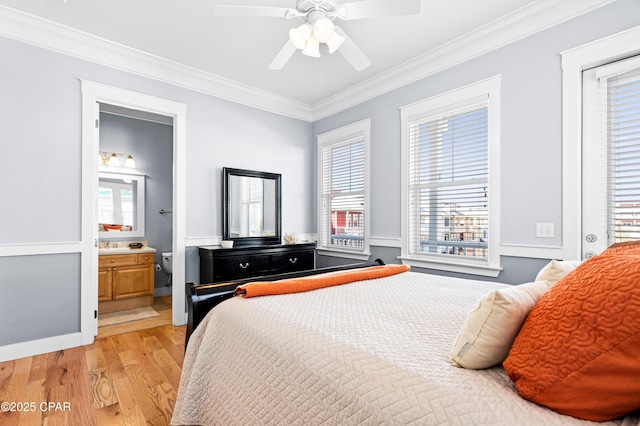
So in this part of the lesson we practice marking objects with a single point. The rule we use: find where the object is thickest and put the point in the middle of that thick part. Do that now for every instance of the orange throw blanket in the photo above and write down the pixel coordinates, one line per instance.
(298, 285)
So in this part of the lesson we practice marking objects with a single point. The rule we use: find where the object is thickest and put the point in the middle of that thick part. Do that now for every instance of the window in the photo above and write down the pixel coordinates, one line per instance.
(343, 181)
(449, 146)
(611, 154)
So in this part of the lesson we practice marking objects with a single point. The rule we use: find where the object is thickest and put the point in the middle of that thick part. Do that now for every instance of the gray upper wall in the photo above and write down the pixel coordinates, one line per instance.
(531, 124)
(41, 135)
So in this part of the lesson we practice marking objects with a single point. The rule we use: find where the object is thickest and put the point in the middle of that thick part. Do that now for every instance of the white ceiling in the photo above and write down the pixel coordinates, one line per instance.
(241, 48)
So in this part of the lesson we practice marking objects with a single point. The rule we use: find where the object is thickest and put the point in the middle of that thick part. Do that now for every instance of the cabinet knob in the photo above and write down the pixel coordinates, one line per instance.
(113, 260)
(244, 266)
(146, 258)
(294, 260)
(115, 269)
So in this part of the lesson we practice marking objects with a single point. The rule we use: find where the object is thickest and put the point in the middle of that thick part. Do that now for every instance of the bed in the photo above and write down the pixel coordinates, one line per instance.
(373, 352)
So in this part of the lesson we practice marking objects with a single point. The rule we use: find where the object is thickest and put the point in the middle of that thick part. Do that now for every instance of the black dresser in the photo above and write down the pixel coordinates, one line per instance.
(219, 264)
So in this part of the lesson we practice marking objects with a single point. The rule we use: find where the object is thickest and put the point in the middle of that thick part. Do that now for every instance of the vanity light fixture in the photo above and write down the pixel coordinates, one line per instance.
(111, 159)
(129, 162)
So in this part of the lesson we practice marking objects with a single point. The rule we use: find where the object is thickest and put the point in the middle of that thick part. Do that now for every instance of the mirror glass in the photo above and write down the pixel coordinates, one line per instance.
(120, 205)
(252, 207)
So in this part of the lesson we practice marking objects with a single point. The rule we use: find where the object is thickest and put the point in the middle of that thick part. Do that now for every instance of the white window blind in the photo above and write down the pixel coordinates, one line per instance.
(343, 195)
(623, 159)
(448, 183)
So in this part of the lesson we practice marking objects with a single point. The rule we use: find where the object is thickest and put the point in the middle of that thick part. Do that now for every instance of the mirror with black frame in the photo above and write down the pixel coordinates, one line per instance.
(252, 207)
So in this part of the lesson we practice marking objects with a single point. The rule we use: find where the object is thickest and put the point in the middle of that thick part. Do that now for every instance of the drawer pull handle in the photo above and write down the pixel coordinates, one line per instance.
(245, 265)
(294, 260)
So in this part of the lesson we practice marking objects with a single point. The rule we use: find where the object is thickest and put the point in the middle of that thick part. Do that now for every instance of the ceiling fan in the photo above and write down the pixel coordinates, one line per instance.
(317, 25)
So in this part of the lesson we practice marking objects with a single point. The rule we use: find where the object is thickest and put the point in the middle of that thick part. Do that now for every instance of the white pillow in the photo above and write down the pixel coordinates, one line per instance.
(555, 270)
(491, 327)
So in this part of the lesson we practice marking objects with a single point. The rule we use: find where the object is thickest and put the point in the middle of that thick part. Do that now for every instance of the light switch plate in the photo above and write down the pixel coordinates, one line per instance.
(545, 230)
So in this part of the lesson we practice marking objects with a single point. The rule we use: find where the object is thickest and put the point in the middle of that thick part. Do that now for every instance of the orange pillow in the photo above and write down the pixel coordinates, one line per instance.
(578, 351)
(629, 247)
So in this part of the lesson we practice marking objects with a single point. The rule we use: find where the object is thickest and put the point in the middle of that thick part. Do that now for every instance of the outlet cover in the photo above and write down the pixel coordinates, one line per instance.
(545, 230)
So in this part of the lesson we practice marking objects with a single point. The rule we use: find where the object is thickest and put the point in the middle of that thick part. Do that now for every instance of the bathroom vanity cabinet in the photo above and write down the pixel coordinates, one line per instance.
(125, 281)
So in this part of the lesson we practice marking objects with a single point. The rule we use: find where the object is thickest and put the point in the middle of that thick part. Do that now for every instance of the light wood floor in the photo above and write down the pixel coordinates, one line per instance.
(120, 379)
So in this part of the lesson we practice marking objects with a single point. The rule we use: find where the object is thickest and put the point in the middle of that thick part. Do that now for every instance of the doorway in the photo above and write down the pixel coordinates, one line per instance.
(93, 96)
(135, 194)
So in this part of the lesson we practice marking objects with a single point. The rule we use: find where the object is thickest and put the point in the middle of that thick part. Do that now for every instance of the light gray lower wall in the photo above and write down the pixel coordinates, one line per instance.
(192, 261)
(30, 304)
(516, 270)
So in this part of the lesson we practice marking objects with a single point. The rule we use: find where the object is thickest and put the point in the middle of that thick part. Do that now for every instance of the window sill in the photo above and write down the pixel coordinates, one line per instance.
(459, 267)
(343, 253)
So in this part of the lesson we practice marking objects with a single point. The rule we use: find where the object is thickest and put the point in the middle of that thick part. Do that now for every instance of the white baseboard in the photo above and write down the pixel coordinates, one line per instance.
(41, 346)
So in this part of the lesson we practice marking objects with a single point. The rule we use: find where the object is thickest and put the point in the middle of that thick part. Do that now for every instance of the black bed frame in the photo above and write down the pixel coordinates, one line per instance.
(202, 298)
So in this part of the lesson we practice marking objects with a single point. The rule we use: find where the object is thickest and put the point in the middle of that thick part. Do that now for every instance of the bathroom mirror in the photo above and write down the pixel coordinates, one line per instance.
(252, 207)
(120, 205)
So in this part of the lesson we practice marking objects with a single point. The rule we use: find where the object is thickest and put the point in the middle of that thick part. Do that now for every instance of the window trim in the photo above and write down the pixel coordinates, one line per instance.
(450, 100)
(359, 129)
(574, 62)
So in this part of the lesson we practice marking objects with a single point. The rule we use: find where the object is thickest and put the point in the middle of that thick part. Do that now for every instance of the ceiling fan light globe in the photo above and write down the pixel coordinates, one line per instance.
(335, 42)
(313, 48)
(323, 30)
(300, 35)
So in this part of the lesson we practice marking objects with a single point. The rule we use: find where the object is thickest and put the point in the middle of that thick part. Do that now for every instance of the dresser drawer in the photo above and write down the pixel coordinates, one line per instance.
(219, 264)
(117, 260)
(235, 267)
(294, 261)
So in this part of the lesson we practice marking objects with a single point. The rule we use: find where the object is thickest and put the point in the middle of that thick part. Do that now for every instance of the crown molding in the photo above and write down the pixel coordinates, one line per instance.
(520, 24)
(49, 35)
(523, 22)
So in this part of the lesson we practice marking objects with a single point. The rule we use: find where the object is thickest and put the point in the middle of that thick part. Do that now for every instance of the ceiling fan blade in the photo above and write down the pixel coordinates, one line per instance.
(258, 11)
(352, 53)
(377, 8)
(283, 56)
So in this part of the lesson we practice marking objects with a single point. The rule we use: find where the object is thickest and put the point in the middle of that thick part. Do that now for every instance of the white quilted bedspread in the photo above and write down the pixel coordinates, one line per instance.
(369, 353)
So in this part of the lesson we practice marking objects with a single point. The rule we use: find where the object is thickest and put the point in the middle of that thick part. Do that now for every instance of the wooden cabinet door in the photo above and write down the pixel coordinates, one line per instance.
(104, 284)
(132, 281)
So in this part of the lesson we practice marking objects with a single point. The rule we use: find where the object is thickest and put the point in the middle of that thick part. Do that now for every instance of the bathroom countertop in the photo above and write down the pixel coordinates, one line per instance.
(124, 250)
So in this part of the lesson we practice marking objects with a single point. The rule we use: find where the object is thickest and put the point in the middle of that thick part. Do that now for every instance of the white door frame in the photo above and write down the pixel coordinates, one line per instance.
(92, 95)
(574, 61)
